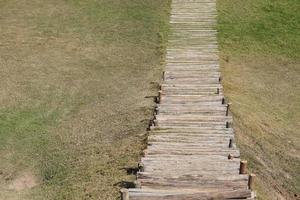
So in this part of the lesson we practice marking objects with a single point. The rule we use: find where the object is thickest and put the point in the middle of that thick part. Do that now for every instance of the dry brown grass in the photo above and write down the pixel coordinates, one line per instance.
(259, 45)
(260, 61)
(265, 108)
(74, 77)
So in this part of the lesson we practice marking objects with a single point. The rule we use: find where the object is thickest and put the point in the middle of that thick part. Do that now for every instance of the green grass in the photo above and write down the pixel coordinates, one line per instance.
(260, 45)
(269, 27)
(74, 77)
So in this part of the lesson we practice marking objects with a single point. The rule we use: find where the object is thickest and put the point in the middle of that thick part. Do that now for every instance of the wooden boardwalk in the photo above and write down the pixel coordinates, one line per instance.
(191, 152)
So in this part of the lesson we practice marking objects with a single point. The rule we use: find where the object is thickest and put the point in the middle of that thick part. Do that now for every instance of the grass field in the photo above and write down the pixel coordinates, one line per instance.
(75, 74)
(260, 49)
(74, 77)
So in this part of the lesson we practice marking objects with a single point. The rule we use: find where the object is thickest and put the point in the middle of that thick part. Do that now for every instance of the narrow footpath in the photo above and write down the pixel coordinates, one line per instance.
(191, 152)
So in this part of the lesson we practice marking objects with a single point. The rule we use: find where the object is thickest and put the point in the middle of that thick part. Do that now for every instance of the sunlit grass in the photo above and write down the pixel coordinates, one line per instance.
(259, 44)
(74, 76)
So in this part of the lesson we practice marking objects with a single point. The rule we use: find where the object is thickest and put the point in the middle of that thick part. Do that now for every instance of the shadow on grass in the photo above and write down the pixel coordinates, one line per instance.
(125, 184)
(130, 170)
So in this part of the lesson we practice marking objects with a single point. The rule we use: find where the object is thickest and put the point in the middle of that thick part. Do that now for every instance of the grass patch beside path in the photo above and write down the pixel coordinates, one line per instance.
(260, 45)
(74, 77)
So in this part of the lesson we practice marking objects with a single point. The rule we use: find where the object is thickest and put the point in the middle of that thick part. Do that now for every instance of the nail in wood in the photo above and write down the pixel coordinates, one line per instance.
(230, 143)
(227, 124)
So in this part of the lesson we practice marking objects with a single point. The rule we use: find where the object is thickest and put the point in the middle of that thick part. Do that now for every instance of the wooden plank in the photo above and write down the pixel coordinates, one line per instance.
(150, 194)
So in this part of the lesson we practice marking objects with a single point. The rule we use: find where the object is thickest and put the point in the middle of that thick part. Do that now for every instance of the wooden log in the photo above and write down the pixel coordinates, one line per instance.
(194, 184)
(157, 99)
(192, 118)
(157, 152)
(159, 96)
(227, 109)
(194, 158)
(190, 173)
(137, 184)
(223, 101)
(251, 181)
(141, 167)
(196, 177)
(124, 194)
(228, 124)
(145, 152)
(156, 194)
(243, 167)
(156, 111)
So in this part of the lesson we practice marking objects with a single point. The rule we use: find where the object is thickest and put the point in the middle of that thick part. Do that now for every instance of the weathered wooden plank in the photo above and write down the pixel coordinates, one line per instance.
(152, 194)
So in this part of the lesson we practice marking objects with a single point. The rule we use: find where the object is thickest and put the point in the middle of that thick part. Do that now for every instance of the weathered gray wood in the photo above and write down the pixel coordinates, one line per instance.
(150, 194)
(124, 194)
(251, 181)
(243, 167)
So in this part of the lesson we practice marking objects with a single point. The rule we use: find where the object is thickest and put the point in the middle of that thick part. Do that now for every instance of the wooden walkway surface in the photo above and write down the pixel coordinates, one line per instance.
(191, 152)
